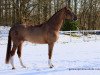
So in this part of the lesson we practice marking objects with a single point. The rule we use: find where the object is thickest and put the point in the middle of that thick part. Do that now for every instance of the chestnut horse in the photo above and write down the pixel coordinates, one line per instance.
(46, 33)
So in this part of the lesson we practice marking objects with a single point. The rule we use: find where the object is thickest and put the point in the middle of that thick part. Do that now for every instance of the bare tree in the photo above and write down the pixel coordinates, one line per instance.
(39, 11)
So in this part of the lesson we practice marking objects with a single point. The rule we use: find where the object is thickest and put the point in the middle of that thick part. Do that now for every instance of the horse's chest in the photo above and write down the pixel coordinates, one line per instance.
(52, 37)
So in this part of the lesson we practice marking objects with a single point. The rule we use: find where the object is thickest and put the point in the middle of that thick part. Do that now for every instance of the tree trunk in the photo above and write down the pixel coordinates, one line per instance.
(69, 3)
(75, 6)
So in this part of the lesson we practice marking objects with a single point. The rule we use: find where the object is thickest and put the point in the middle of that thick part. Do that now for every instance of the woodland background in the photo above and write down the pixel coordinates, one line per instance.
(39, 11)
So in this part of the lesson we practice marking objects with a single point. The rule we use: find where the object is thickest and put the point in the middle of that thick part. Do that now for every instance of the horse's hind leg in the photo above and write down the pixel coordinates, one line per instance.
(19, 51)
(50, 54)
(12, 55)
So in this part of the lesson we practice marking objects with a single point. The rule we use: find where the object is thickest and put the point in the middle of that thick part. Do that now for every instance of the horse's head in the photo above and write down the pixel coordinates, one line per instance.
(69, 15)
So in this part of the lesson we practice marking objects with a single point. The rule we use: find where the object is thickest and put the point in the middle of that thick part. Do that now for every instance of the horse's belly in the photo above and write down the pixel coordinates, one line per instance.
(39, 40)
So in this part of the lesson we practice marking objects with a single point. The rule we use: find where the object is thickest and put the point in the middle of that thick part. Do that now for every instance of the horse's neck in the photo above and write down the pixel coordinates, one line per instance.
(56, 21)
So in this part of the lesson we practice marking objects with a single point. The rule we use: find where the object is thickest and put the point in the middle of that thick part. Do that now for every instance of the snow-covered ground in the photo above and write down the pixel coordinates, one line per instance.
(74, 57)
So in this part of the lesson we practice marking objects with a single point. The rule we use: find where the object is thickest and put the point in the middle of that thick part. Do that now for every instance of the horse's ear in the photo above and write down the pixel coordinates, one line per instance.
(65, 7)
(68, 7)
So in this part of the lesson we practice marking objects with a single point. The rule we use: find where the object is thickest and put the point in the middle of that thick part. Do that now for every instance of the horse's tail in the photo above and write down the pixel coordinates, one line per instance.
(8, 49)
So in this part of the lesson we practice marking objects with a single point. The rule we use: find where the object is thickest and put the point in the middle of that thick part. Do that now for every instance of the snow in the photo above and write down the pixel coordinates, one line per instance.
(74, 57)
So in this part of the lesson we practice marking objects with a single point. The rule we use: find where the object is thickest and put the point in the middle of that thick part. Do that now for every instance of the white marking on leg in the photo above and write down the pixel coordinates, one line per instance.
(21, 63)
(12, 62)
(50, 64)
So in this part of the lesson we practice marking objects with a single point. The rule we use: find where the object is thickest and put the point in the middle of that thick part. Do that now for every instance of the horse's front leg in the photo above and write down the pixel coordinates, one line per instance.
(50, 54)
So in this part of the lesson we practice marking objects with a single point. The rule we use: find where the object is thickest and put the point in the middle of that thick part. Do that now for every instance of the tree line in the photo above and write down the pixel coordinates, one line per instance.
(39, 11)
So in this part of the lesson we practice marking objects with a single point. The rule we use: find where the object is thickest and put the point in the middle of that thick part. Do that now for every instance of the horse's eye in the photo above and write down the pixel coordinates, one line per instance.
(68, 11)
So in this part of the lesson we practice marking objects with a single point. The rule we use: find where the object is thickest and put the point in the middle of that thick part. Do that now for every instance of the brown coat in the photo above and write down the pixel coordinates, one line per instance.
(46, 33)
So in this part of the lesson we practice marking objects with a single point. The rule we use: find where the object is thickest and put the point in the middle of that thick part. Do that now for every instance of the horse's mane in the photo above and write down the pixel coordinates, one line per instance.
(55, 15)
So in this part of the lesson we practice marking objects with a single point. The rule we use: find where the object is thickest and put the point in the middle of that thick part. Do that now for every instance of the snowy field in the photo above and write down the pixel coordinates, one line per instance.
(74, 57)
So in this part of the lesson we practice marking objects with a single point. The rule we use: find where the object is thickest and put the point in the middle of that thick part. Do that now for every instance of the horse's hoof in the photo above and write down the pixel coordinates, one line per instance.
(51, 66)
(24, 66)
(13, 68)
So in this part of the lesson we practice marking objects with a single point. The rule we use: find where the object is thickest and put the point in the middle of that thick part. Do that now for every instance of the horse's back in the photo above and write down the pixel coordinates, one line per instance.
(34, 34)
